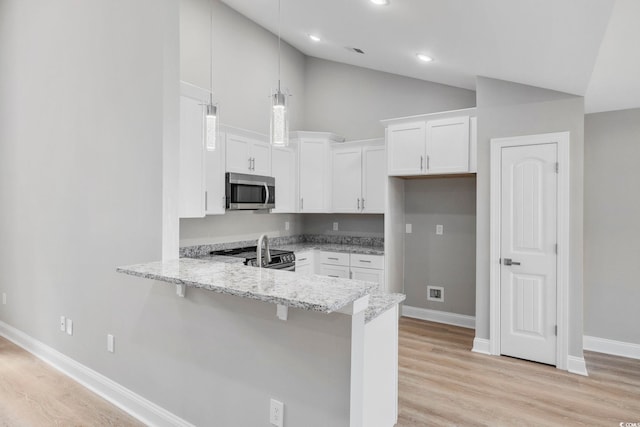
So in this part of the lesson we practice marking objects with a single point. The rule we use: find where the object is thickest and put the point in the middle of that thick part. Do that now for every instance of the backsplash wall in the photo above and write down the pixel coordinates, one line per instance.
(361, 225)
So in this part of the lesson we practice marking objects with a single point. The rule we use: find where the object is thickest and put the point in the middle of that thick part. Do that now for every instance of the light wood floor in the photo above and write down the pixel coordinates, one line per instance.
(34, 394)
(442, 383)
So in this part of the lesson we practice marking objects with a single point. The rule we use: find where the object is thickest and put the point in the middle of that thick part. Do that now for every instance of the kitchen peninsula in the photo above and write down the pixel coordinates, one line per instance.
(331, 350)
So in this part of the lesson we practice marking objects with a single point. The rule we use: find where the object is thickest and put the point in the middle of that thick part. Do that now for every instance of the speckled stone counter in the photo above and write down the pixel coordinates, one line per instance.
(317, 293)
(333, 247)
(379, 303)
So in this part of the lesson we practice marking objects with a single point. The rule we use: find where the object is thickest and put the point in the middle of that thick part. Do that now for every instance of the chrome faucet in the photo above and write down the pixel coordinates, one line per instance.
(267, 256)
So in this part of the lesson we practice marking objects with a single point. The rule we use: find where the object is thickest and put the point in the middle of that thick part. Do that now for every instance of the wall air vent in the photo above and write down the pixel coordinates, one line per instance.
(355, 49)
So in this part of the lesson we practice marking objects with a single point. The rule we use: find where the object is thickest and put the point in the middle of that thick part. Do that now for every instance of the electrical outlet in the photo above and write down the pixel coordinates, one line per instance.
(63, 324)
(286, 225)
(439, 229)
(69, 326)
(276, 413)
(435, 293)
(335, 226)
(110, 343)
(409, 228)
(4, 298)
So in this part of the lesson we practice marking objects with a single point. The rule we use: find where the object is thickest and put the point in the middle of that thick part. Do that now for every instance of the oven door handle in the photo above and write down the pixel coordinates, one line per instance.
(266, 189)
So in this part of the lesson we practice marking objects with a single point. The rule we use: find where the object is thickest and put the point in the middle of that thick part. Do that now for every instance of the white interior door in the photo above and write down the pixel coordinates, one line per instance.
(528, 272)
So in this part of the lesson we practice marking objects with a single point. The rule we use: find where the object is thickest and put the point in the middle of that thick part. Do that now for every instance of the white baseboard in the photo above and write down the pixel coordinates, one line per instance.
(137, 406)
(439, 316)
(615, 348)
(481, 345)
(577, 365)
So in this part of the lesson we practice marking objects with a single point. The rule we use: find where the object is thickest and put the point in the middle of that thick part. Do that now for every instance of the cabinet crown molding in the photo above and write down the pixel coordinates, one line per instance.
(430, 116)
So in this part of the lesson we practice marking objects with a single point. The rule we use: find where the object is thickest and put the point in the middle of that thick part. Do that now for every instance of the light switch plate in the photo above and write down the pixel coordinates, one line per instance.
(439, 229)
(286, 225)
(110, 343)
(409, 228)
(335, 226)
(69, 326)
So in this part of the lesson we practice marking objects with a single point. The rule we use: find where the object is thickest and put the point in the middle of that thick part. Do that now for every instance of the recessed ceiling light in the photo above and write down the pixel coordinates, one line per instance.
(424, 58)
(380, 2)
(314, 38)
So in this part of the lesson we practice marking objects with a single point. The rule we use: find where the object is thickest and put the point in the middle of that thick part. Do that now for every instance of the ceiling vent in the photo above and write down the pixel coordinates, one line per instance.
(355, 49)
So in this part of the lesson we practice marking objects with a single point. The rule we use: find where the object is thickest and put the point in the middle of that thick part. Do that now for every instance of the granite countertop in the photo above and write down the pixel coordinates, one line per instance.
(316, 293)
(332, 247)
(379, 303)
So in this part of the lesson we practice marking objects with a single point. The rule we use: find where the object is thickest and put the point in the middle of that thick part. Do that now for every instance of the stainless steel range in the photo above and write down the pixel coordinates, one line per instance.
(281, 260)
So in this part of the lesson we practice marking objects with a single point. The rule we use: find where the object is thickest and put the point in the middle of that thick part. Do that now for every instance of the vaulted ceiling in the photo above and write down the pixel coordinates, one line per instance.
(582, 47)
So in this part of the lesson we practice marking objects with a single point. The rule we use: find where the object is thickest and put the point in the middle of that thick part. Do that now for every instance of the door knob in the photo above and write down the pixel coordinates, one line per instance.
(509, 261)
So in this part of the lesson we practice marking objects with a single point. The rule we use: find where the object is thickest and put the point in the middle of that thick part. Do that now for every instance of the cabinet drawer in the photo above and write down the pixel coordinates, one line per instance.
(367, 261)
(304, 258)
(341, 271)
(334, 258)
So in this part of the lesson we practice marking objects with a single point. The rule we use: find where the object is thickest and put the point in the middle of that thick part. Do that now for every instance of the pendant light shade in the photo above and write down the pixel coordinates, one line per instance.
(279, 110)
(279, 120)
(212, 121)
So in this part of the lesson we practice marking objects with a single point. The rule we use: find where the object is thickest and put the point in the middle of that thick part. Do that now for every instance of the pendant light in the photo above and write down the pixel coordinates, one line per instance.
(279, 112)
(212, 121)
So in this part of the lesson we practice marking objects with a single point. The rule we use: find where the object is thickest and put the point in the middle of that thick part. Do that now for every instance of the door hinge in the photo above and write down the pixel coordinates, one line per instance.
(557, 167)
(556, 330)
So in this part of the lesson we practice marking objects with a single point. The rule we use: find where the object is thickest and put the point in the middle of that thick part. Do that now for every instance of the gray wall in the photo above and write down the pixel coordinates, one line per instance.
(612, 226)
(510, 109)
(369, 225)
(81, 188)
(351, 101)
(447, 260)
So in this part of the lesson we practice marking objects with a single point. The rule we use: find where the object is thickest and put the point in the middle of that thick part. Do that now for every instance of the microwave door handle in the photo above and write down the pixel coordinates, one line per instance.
(266, 189)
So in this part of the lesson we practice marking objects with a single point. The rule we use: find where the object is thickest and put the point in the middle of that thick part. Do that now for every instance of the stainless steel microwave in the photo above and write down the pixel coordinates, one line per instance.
(250, 192)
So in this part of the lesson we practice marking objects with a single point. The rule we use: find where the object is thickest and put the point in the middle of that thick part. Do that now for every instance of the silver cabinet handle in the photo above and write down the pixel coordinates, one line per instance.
(509, 261)
(358, 204)
(301, 203)
(362, 204)
(301, 259)
(206, 200)
(253, 163)
(364, 260)
(427, 162)
(249, 163)
(335, 259)
(350, 274)
(334, 276)
(421, 161)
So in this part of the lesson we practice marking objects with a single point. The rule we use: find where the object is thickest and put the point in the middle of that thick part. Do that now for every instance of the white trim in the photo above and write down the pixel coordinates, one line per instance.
(577, 365)
(481, 345)
(439, 316)
(616, 348)
(562, 140)
(137, 406)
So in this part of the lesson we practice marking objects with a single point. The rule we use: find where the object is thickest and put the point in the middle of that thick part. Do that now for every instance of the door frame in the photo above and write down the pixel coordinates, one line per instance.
(561, 139)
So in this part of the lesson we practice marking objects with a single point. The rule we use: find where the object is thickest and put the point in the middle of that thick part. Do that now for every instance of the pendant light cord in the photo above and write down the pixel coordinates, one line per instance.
(279, 43)
(211, 50)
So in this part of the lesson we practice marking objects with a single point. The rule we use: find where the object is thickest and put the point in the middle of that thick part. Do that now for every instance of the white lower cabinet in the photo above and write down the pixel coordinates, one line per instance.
(351, 266)
(305, 263)
(341, 271)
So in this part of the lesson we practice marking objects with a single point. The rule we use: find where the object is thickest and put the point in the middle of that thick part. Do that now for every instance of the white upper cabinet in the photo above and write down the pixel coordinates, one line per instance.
(406, 148)
(314, 170)
(247, 155)
(347, 180)
(358, 177)
(192, 159)
(432, 144)
(214, 181)
(374, 177)
(283, 162)
(448, 145)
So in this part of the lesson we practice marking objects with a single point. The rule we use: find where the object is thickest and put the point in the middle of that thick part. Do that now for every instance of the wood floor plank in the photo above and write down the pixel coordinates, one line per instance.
(33, 393)
(443, 383)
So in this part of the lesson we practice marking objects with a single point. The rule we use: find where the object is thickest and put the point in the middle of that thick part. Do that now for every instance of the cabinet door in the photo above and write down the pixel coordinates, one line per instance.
(238, 158)
(192, 175)
(283, 162)
(214, 182)
(406, 149)
(374, 179)
(341, 271)
(346, 180)
(448, 145)
(369, 274)
(261, 158)
(313, 172)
